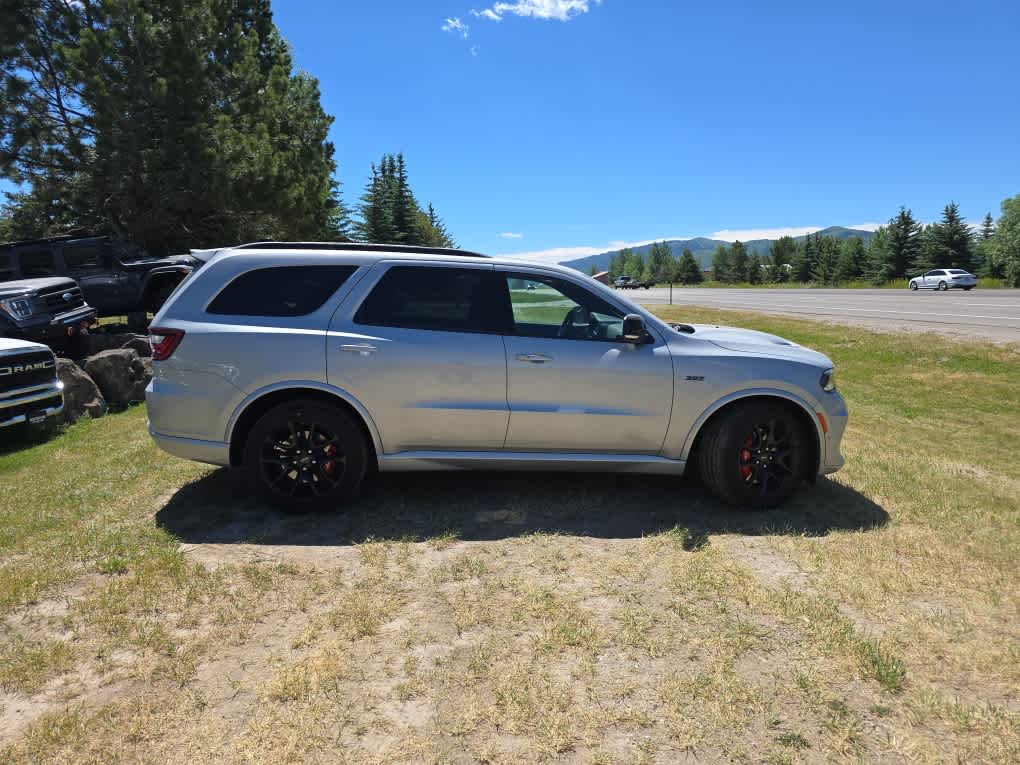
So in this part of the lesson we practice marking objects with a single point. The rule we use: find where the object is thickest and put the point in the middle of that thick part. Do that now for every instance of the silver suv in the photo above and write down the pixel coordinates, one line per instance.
(308, 364)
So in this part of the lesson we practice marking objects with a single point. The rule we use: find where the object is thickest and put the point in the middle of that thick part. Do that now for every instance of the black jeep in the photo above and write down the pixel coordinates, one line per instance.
(115, 277)
(51, 311)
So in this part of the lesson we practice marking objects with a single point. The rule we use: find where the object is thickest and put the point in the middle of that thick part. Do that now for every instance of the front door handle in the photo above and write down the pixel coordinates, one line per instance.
(362, 349)
(534, 358)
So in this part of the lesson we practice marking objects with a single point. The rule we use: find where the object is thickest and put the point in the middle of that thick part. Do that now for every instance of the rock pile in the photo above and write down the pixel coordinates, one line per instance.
(114, 373)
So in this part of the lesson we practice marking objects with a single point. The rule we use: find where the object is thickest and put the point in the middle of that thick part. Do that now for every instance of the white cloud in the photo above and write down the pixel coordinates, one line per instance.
(511, 235)
(456, 26)
(867, 226)
(474, 50)
(560, 10)
(747, 234)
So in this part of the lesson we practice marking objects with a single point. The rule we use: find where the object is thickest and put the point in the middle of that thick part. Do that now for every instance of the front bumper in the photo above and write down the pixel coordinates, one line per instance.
(836, 416)
(32, 405)
(50, 330)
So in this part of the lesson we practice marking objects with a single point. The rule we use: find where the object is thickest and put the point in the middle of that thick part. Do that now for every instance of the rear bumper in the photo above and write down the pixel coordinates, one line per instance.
(211, 452)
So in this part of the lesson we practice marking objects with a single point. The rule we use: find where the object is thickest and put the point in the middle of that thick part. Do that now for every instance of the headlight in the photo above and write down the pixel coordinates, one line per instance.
(828, 381)
(19, 308)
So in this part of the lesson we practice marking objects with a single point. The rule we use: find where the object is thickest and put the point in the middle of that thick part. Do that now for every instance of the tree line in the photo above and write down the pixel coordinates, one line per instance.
(176, 124)
(901, 249)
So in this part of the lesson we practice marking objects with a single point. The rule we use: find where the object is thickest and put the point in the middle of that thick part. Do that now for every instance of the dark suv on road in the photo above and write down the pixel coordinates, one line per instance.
(116, 278)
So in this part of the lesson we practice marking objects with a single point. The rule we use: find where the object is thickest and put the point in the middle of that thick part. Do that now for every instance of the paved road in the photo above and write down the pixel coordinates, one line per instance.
(988, 314)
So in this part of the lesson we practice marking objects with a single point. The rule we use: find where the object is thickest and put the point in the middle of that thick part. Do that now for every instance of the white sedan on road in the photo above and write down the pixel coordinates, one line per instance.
(944, 279)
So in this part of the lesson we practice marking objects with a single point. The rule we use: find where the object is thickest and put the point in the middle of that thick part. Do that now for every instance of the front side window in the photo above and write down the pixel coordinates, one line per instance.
(435, 298)
(280, 291)
(36, 263)
(549, 307)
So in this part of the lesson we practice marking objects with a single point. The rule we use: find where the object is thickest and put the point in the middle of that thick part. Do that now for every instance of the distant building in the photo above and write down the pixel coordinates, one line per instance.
(602, 276)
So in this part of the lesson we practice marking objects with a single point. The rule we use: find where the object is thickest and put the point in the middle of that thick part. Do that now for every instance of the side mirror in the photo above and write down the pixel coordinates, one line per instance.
(634, 329)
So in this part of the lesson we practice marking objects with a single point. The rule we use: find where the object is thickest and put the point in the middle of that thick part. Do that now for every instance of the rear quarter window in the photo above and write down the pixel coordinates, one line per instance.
(280, 291)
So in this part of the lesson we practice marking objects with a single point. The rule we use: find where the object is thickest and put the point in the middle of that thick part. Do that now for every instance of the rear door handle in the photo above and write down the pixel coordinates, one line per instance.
(534, 358)
(362, 349)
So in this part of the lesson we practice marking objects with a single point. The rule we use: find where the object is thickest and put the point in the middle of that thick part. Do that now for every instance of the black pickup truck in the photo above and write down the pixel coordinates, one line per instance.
(116, 277)
(51, 310)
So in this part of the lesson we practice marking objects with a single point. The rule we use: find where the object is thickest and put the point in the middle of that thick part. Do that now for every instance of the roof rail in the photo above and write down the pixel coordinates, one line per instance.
(51, 240)
(359, 247)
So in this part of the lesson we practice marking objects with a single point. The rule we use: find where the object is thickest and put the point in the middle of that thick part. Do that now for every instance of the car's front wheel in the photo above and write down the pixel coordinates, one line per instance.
(306, 455)
(913, 286)
(755, 454)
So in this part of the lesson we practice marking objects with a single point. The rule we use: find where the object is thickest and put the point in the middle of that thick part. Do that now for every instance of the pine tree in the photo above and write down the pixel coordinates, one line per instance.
(826, 262)
(741, 262)
(851, 259)
(877, 268)
(722, 265)
(902, 243)
(757, 269)
(987, 227)
(951, 244)
(688, 269)
(661, 265)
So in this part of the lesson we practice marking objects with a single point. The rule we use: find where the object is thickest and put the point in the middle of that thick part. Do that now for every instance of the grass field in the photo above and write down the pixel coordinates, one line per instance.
(152, 613)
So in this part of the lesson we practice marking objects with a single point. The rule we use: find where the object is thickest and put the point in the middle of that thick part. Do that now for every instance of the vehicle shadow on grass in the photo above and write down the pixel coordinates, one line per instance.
(219, 509)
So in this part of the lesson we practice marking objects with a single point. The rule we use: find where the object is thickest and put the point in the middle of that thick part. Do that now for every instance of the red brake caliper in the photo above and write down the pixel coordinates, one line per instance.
(745, 459)
(330, 465)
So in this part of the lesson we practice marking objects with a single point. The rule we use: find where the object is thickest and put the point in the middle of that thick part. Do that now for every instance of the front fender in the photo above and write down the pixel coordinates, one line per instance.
(682, 448)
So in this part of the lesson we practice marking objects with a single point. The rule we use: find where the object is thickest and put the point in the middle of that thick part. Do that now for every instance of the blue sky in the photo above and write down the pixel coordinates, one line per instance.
(577, 125)
(639, 119)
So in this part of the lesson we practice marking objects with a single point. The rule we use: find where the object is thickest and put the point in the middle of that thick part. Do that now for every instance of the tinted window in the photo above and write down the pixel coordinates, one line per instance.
(83, 256)
(548, 307)
(36, 263)
(447, 299)
(280, 291)
(957, 271)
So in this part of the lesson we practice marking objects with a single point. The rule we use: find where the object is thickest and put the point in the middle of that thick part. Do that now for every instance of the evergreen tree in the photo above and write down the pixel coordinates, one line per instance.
(950, 243)
(757, 270)
(877, 268)
(722, 265)
(1005, 249)
(688, 269)
(851, 259)
(661, 265)
(987, 227)
(902, 243)
(741, 262)
(780, 260)
(826, 265)
(804, 259)
(171, 123)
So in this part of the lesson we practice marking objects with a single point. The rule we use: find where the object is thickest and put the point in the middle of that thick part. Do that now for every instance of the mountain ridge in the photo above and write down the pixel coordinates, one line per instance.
(703, 247)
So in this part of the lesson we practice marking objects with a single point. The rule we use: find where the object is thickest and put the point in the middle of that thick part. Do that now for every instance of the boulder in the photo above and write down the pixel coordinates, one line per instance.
(81, 394)
(121, 375)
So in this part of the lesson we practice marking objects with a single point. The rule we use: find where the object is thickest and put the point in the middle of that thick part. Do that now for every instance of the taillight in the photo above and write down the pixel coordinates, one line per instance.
(164, 342)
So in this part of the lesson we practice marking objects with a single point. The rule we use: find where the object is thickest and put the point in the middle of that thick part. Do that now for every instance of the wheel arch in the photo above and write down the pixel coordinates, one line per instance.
(252, 408)
(803, 410)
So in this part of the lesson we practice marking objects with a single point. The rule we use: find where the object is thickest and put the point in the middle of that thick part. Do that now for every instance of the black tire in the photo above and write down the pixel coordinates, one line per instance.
(306, 456)
(943, 286)
(755, 454)
(913, 286)
(967, 289)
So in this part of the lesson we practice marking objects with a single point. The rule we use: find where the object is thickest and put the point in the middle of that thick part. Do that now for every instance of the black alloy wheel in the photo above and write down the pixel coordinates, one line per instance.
(756, 453)
(306, 455)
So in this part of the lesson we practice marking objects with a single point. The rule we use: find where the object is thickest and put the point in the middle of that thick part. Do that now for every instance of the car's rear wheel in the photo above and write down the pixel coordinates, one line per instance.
(755, 454)
(306, 456)
(967, 289)
(913, 286)
(943, 286)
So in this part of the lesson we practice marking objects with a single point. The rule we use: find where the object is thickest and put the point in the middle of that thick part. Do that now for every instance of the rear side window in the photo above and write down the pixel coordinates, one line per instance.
(280, 291)
(442, 299)
(83, 256)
